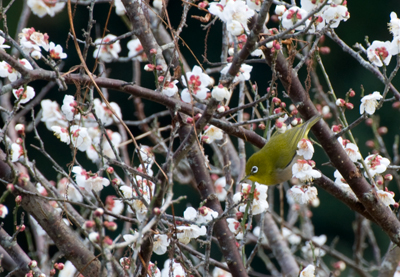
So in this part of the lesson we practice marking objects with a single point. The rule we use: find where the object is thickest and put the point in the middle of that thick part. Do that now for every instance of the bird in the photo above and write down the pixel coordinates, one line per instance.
(273, 163)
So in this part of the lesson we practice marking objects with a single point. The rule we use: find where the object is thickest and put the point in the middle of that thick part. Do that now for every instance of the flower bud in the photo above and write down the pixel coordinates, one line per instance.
(336, 128)
(149, 67)
(153, 51)
(352, 93)
(157, 211)
(98, 212)
(396, 105)
(160, 79)
(239, 215)
(52, 272)
(197, 116)
(280, 9)
(324, 50)
(10, 187)
(189, 120)
(18, 200)
(110, 225)
(29, 274)
(19, 141)
(283, 105)
(277, 110)
(21, 228)
(20, 128)
(369, 121)
(159, 67)
(107, 240)
(89, 224)
(32, 264)
(203, 4)
(349, 106)
(206, 139)
(388, 177)
(261, 126)
(340, 265)
(340, 102)
(59, 266)
(116, 181)
(396, 205)
(379, 182)
(382, 130)
(370, 143)
(220, 109)
(110, 170)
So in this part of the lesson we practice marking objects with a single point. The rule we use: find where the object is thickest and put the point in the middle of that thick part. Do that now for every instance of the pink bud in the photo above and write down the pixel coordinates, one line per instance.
(52, 272)
(59, 266)
(283, 105)
(349, 106)
(21, 228)
(261, 126)
(352, 93)
(203, 5)
(157, 211)
(279, 124)
(382, 130)
(110, 225)
(379, 182)
(153, 51)
(189, 120)
(276, 100)
(239, 215)
(340, 102)
(324, 50)
(116, 181)
(206, 139)
(370, 143)
(18, 200)
(388, 177)
(10, 187)
(214, 177)
(160, 79)
(336, 128)
(197, 116)
(396, 205)
(89, 224)
(277, 110)
(110, 170)
(369, 121)
(159, 67)
(20, 128)
(149, 67)
(107, 240)
(19, 141)
(396, 105)
(98, 212)
(32, 264)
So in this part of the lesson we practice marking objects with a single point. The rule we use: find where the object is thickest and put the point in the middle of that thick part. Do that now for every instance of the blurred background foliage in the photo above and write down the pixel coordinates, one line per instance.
(368, 19)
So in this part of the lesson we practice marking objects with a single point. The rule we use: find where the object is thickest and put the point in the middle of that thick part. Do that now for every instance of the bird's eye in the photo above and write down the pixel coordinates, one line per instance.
(254, 169)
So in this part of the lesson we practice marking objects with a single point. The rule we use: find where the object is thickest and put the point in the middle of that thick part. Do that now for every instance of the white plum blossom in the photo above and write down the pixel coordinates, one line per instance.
(56, 51)
(106, 52)
(147, 154)
(242, 75)
(12, 74)
(80, 137)
(292, 16)
(61, 133)
(218, 272)
(303, 194)
(176, 268)
(3, 211)
(44, 7)
(116, 206)
(291, 237)
(370, 102)
(235, 227)
(197, 84)
(160, 244)
(202, 216)
(51, 114)
(2, 45)
(303, 171)
(170, 88)
(314, 251)
(89, 181)
(119, 8)
(351, 149)
(68, 270)
(69, 107)
(308, 271)
(31, 41)
(186, 233)
(280, 10)
(376, 164)
(220, 190)
(220, 93)
(235, 28)
(305, 149)
(106, 149)
(260, 203)
(394, 25)
(386, 197)
(378, 52)
(25, 94)
(105, 114)
(395, 46)
(334, 14)
(211, 134)
(309, 5)
(136, 50)
(341, 182)
(66, 189)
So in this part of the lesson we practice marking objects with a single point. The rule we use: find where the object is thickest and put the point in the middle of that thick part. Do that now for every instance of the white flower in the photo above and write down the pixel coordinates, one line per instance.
(119, 7)
(31, 41)
(153, 270)
(292, 16)
(69, 107)
(197, 84)
(376, 164)
(116, 206)
(2, 46)
(291, 237)
(394, 25)
(351, 149)
(303, 171)
(216, 8)
(303, 194)
(61, 133)
(43, 7)
(334, 14)
(135, 47)
(94, 237)
(51, 114)
(88, 180)
(190, 214)
(106, 52)
(105, 114)
(7, 71)
(3, 211)
(56, 51)
(176, 268)
(80, 138)
(220, 93)
(378, 52)
(314, 251)
(24, 94)
(186, 233)
(212, 133)
(309, 5)
(68, 190)
(386, 197)
(260, 203)
(235, 228)
(395, 46)
(220, 190)
(235, 28)
(308, 271)
(205, 215)
(237, 10)
(147, 154)
(370, 102)
(218, 272)
(280, 9)
(341, 182)
(305, 149)
(170, 88)
(242, 75)
(68, 270)
(160, 244)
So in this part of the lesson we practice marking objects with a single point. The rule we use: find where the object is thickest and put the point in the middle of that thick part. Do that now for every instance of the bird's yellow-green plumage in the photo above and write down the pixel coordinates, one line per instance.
(273, 163)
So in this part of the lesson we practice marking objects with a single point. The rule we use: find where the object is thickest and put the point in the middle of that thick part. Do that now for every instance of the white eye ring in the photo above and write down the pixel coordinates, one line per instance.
(254, 169)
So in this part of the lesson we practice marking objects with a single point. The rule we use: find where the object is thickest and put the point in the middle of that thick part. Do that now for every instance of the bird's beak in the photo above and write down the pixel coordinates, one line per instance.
(241, 181)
